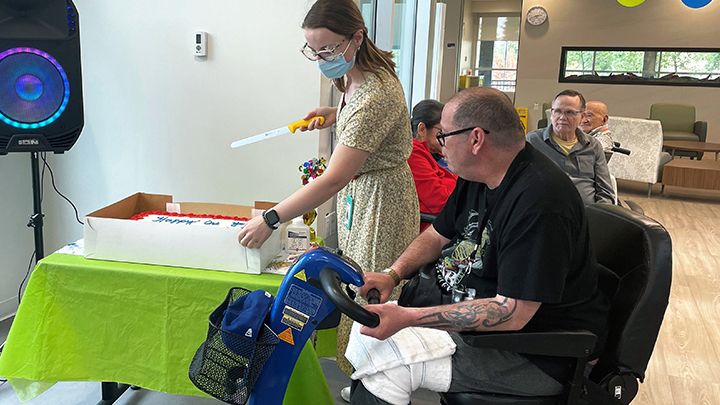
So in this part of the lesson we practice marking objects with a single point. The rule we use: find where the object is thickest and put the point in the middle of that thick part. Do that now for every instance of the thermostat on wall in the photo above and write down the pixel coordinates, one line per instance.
(200, 43)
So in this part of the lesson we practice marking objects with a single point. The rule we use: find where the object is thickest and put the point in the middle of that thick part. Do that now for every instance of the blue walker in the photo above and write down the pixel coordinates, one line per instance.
(309, 298)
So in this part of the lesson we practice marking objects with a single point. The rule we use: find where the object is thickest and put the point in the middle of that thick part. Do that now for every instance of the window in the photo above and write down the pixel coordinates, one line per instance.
(649, 66)
(497, 52)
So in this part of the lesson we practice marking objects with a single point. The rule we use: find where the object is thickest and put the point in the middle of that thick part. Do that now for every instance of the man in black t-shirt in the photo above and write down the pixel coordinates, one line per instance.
(511, 248)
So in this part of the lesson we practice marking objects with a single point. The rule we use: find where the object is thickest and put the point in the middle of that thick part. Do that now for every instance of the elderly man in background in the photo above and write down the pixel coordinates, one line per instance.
(579, 155)
(595, 123)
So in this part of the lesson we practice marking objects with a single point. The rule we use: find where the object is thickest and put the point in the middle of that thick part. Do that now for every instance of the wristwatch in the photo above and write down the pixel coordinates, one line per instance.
(392, 274)
(271, 219)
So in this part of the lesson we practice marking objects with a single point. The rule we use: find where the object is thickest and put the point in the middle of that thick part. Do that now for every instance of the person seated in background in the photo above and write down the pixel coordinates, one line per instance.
(426, 124)
(433, 182)
(578, 155)
(595, 123)
(509, 251)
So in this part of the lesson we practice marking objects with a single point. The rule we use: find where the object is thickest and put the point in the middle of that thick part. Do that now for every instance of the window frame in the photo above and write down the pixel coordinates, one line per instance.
(643, 81)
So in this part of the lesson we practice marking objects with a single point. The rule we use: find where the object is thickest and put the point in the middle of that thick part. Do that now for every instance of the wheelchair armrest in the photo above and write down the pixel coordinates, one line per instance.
(575, 344)
(428, 218)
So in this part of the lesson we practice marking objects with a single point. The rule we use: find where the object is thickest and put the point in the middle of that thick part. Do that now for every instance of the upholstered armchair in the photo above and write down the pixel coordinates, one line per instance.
(678, 124)
(545, 120)
(644, 139)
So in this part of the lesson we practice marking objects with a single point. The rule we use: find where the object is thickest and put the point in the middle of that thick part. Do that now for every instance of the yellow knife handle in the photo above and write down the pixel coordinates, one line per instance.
(303, 123)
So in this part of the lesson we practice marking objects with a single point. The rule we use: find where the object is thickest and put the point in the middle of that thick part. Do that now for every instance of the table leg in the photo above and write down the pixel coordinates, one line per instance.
(111, 392)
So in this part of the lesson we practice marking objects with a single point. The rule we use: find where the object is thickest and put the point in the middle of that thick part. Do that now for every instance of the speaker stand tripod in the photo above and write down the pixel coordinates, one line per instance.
(36, 219)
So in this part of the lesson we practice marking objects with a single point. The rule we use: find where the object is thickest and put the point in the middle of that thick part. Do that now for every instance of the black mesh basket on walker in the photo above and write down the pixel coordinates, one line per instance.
(227, 365)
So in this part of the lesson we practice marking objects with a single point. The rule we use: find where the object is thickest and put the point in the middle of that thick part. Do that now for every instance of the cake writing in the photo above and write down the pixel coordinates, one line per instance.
(191, 219)
(169, 220)
(188, 221)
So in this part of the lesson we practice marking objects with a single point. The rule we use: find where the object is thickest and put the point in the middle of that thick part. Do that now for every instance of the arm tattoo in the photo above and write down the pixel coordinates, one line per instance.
(471, 314)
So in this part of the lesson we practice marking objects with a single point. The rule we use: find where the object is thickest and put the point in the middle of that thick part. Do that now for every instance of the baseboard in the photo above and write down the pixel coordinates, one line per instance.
(8, 308)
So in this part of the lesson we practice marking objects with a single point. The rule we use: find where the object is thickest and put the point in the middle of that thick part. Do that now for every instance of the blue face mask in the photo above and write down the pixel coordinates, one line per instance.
(337, 68)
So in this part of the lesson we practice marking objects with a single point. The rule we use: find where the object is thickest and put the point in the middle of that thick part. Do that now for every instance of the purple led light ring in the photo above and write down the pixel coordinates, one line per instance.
(66, 84)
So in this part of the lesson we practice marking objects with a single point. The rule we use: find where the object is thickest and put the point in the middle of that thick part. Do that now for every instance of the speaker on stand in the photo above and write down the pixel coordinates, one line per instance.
(41, 105)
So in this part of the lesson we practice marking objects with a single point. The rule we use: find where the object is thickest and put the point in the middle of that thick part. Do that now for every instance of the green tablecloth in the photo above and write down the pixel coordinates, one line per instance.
(91, 320)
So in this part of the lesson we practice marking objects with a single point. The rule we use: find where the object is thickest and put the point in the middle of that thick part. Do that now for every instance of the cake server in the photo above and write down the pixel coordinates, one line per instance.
(291, 128)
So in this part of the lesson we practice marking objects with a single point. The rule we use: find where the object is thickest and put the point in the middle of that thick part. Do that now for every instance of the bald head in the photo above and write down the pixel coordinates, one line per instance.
(597, 107)
(596, 115)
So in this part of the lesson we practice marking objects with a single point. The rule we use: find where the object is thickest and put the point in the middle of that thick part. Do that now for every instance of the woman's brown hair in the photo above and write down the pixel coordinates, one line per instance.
(344, 18)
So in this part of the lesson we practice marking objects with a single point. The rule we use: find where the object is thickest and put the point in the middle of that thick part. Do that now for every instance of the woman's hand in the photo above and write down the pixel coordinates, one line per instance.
(329, 113)
(254, 233)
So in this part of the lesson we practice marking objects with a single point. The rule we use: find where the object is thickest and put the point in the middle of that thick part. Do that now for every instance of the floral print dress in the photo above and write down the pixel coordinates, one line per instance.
(385, 216)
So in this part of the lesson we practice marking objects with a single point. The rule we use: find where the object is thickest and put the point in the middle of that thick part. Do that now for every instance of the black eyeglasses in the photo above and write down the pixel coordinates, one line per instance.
(441, 136)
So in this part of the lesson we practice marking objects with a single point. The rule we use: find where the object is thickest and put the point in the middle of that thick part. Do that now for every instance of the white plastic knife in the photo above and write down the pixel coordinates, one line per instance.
(291, 128)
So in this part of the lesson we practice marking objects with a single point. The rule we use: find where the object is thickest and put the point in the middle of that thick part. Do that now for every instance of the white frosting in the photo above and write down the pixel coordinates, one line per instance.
(185, 221)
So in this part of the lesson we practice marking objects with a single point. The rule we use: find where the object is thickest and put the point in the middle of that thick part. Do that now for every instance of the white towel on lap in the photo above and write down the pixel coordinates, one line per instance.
(393, 368)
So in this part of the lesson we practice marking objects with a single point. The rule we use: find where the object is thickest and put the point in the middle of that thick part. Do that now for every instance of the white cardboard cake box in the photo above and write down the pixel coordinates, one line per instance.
(110, 235)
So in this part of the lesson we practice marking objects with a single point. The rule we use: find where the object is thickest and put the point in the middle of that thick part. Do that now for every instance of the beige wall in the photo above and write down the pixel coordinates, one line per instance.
(496, 6)
(450, 64)
(607, 23)
(469, 36)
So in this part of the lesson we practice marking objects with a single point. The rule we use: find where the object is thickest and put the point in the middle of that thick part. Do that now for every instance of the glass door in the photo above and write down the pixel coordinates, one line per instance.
(368, 9)
(403, 43)
(407, 29)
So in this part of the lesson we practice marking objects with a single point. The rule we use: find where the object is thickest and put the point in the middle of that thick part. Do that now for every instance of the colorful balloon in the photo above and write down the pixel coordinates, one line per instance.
(631, 3)
(696, 3)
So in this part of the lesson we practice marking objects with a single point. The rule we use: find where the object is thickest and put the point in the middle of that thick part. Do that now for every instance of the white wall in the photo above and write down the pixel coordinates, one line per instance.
(16, 240)
(159, 120)
(607, 23)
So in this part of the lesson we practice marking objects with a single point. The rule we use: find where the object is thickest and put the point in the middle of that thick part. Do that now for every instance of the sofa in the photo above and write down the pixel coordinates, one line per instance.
(644, 139)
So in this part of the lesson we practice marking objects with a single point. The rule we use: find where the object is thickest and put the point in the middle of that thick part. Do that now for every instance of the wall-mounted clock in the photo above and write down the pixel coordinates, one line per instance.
(536, 15)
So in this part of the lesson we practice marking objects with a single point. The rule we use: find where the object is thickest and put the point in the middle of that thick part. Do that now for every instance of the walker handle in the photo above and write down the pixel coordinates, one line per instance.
(373, 296)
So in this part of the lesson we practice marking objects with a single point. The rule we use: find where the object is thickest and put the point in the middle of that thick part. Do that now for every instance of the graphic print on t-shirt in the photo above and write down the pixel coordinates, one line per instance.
(460, 259)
